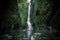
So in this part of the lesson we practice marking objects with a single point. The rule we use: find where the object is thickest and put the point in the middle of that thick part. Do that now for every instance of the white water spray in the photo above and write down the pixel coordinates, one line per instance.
(29, 29)
(32, 38)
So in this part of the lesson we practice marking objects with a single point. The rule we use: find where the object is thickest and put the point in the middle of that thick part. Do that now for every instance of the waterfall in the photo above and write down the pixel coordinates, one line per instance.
(29, 28)
(32, 38)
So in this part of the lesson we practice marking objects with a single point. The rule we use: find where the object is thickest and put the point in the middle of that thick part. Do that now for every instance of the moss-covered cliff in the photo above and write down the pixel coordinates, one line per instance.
(22, 5)
(40, 11)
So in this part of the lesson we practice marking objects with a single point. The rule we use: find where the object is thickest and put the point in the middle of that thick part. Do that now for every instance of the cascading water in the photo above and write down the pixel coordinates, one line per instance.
(29, 28)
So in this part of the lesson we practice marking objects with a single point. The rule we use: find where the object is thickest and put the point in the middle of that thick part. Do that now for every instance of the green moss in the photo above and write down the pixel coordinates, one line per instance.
(23, 6)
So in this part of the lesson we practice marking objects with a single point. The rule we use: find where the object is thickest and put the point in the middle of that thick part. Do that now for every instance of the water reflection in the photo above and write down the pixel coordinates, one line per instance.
(7, 37)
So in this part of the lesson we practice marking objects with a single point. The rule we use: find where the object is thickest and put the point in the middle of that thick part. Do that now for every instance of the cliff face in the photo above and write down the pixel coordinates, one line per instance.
(42, 14)
(39, 12)
(14, 14)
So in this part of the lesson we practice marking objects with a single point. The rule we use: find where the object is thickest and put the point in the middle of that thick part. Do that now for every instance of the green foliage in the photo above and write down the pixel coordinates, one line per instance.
(41, 11)
(23, 11)
(13, 18)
